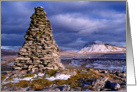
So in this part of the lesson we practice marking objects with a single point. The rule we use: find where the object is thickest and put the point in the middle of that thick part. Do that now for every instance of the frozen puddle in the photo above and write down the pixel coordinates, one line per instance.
(61, 77)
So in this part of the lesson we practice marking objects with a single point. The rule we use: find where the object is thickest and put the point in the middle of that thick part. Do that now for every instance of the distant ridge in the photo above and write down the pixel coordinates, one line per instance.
(100, 47)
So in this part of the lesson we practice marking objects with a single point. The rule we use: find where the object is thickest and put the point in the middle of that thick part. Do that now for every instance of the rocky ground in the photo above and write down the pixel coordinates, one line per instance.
(70, 79)
(73, 78)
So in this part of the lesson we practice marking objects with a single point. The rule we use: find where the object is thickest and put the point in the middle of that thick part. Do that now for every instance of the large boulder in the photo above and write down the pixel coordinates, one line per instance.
(57, 88)
(14, 88)
(75, 89)
(99, 83)
(112, 85)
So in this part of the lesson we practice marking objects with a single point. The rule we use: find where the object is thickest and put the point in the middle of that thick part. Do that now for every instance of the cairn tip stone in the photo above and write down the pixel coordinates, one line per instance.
(39, 51)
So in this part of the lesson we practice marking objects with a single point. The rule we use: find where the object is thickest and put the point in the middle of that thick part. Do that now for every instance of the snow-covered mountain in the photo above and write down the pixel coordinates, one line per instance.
(99, 47)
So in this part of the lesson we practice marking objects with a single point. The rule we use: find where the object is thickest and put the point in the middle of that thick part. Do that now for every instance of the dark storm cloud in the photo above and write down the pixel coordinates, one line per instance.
(74, 22)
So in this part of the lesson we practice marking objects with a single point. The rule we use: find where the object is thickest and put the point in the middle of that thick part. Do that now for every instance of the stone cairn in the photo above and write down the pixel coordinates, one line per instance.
(39, 51)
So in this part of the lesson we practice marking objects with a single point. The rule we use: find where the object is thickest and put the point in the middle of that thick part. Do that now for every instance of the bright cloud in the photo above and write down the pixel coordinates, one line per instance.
(89, 25)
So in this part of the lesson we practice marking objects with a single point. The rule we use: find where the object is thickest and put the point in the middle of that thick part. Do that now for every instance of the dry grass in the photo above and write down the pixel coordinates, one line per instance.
(51, 72)
(73, 81)
(28, 75)
(8, 85)
(114, 78)
(77, 68)
(3, 76)
(88, 54)
(4, 62)
(40, 83)
(10, 78)
(22, 84)
(8, 59)
(5, 67)
(89, 87)
(70, 67)
(59, 82)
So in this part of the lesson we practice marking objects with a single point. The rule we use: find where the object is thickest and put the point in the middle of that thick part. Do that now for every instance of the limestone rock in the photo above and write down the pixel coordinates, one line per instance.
(15, 89)
(112, 85)
(57, 88)
(64, 87)
(75, 89)
(39, 51)
(99, 83)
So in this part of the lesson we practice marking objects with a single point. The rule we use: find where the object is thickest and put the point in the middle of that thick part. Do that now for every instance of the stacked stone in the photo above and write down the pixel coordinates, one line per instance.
(40, 51)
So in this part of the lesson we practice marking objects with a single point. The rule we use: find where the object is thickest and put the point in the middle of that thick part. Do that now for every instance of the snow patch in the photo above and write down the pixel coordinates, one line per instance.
(27, 78)
(16, 80)
(42, 74)
(60, 76)
(101, 47)
(6, 78)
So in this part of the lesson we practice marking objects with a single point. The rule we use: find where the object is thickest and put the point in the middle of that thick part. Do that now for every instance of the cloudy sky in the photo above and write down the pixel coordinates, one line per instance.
(74, 23)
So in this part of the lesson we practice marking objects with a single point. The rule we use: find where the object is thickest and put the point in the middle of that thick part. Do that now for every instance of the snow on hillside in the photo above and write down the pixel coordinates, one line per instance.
(99, 47)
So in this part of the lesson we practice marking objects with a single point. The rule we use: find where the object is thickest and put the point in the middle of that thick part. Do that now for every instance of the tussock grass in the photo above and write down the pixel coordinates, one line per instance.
(28, 75)
(5, 67)
(3, 76)
(89, 87)
(73, 81)
(7, 85)
(10, 78)
(59, 82)
(40, 83)
(51, 72)
(22, 83)
(114, 78)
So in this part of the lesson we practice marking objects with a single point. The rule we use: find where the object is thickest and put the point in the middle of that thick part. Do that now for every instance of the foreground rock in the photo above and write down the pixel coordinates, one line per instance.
(57, 88)
(99, 84)
(112, 85)
(40, 51)
(14, 89)
(65, 80)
